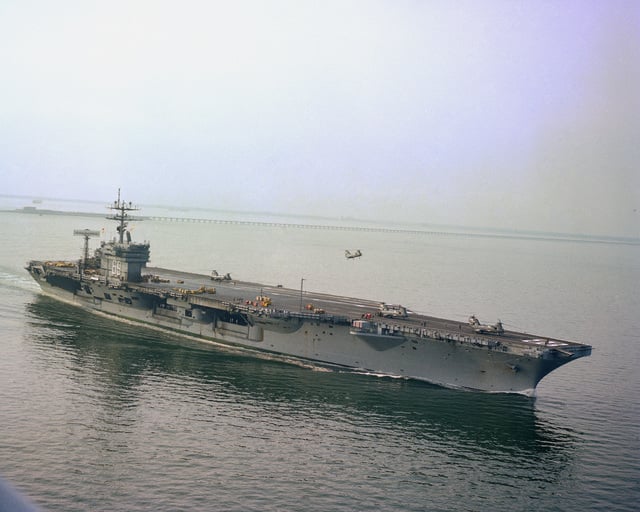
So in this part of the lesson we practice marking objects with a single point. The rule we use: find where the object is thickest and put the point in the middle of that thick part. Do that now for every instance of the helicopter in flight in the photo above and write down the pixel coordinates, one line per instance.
(218, 277)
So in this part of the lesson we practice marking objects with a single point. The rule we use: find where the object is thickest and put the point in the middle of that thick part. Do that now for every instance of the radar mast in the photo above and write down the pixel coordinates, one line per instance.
(123, 261)
(122, 216)
(86, 233)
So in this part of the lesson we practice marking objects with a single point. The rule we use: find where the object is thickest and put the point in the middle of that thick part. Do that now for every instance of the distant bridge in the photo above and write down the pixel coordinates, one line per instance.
(563, 237)
(298, 225)
(424, 232)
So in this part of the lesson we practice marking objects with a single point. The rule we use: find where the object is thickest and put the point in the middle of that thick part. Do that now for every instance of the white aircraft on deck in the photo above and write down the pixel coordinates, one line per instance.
(485, 328)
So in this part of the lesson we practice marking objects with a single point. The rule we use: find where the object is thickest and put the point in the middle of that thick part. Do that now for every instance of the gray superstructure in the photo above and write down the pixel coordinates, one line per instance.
(360, 334)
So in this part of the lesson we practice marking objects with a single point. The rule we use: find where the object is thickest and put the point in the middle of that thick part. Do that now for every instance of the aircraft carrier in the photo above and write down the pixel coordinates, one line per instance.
(332, 330)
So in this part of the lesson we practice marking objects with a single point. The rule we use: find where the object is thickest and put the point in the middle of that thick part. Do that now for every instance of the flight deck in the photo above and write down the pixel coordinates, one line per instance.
(305, 302)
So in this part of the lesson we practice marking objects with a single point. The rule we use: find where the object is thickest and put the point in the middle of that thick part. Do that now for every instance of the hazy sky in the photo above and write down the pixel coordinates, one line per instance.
(515, 114)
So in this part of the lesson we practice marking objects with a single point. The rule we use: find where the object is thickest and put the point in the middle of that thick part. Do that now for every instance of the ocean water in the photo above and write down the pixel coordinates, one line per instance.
(102, 416)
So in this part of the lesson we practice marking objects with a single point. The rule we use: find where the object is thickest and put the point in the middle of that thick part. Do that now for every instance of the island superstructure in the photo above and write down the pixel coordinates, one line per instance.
(358, 334)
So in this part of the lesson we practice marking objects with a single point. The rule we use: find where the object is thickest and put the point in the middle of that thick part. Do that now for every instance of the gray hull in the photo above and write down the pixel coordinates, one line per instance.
(448, 358)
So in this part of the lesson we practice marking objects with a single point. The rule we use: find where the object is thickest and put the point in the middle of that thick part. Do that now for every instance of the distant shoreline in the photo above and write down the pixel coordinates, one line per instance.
(32, 210)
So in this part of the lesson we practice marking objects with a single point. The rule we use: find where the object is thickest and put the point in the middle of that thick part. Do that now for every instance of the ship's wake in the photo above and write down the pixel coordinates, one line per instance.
(13, 281)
